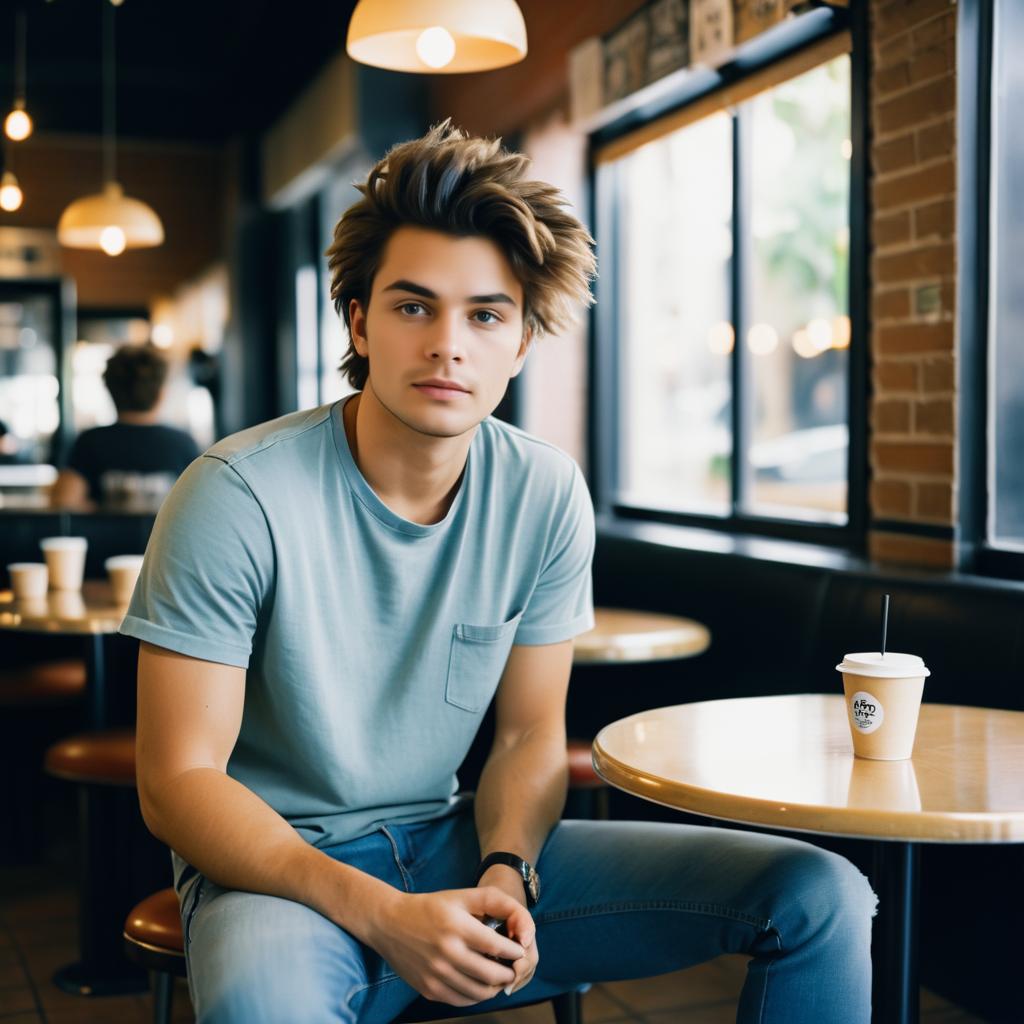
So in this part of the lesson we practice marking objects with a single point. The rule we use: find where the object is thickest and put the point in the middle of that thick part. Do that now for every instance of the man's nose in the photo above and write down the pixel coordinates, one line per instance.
(445, 341)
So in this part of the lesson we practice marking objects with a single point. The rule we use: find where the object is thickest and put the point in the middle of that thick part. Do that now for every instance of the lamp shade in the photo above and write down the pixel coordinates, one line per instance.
(83, 223)
(402, 35)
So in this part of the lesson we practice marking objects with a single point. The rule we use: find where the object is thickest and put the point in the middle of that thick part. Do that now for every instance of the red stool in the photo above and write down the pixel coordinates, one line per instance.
(583, 778)
(37, 704)
(102, 764)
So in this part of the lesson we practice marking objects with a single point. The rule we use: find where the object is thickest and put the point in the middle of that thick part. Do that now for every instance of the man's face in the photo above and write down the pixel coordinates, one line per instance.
(444, 330)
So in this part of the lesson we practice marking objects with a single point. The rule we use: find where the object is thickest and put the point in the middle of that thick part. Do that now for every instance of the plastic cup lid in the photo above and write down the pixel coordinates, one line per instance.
(68, 543)
(26, 565)
(123, 562)
(891, 666)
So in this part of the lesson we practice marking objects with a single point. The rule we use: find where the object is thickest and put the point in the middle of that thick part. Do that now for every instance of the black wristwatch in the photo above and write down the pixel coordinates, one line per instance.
(526, 871)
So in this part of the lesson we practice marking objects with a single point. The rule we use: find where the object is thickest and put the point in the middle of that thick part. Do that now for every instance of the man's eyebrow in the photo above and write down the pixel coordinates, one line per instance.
(417, 289)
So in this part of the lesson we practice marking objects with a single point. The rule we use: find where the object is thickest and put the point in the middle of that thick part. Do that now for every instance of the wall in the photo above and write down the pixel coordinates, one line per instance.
(913, 408)
(184, 183)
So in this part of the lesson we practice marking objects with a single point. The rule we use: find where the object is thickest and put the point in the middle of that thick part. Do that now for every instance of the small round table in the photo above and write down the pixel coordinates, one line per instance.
(787, 763)
(622, 635)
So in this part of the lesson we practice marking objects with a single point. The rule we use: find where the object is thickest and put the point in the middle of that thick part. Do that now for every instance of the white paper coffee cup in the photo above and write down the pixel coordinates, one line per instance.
(883, 701)
(123, 572)
(65, 558)
(29, 580)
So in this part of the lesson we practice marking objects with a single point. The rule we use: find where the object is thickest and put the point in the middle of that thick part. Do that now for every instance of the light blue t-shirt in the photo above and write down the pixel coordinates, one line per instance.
(372, 644)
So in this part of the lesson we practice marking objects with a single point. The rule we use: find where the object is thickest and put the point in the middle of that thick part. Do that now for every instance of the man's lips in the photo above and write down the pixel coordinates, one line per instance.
(437, 388)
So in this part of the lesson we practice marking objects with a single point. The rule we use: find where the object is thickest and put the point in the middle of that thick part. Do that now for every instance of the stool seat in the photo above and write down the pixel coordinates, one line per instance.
(156, 922)
(107, 758)
(581, 766)
(53, 682)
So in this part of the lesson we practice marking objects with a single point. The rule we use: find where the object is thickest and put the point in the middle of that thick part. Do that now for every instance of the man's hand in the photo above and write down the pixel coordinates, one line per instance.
(501, 876)
(439, 944)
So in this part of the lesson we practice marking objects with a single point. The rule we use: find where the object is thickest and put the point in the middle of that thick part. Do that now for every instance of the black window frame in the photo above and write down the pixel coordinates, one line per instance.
(975, 54)
(783, 41)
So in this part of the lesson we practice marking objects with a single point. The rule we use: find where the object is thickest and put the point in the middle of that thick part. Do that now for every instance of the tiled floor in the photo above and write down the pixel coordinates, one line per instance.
(37, 935)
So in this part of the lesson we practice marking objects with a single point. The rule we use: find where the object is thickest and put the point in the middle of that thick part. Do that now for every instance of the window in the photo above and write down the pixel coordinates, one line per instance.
(1005, 526)
(724, 243)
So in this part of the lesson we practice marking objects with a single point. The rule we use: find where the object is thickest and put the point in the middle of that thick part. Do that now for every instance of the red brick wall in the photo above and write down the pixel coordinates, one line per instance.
(913, 274)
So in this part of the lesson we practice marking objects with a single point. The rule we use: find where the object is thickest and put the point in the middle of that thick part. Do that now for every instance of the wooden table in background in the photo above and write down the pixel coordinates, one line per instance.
(620, 635)
(787, 763)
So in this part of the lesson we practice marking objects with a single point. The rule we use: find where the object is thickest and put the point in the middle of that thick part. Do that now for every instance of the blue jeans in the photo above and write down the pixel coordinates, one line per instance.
(619, 900)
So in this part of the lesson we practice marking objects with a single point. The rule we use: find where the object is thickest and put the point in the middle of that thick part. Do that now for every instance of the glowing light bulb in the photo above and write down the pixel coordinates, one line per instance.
(11, 196)
(18, 125)
(762, 339)
(112, 240)
(819, 331)
(435, 47)
(721, 338)
(163, 335)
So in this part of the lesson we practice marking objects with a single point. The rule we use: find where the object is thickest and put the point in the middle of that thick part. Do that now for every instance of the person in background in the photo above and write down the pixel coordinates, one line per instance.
(136, 460)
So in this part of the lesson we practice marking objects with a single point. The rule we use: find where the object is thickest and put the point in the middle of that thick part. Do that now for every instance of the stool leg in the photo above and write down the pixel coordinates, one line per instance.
(568, 1008)
(163, 997)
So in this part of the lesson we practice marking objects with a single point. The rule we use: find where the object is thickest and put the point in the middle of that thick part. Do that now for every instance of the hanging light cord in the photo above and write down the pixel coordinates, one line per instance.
(19, 57)
(109, 106)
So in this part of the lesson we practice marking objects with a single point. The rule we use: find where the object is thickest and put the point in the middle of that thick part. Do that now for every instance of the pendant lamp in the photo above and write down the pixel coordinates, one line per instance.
(17, 124)
(109, 220)
(439, 37)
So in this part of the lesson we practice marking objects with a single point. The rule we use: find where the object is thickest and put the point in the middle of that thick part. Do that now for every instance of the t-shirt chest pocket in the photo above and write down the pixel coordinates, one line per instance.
(477, 659)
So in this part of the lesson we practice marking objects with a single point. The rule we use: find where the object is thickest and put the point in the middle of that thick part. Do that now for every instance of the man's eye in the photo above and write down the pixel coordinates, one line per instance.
(406, 306)
(495, 319)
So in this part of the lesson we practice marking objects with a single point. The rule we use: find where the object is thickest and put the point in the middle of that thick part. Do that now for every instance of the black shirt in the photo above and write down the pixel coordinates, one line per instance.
(131, 463)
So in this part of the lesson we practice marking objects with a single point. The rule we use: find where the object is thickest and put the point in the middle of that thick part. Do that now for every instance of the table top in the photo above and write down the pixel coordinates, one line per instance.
(787, 762)
(90, 610)
(622, 635)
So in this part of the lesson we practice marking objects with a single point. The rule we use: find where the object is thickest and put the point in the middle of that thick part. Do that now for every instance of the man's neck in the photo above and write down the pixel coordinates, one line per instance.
(416, 475)
(143, 418)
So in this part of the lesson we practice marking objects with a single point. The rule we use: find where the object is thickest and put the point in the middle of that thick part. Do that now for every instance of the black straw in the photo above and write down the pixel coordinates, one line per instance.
(885, 621)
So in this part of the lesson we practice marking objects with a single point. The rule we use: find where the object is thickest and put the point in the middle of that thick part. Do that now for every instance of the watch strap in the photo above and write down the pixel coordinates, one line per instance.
(522, 867)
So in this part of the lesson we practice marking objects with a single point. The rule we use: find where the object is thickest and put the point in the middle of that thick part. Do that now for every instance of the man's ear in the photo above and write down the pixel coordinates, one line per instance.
(524, 349)
(357, 327)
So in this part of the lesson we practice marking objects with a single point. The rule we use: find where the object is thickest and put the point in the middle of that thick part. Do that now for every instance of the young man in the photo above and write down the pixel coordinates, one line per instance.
(328, 605)
(137, 459)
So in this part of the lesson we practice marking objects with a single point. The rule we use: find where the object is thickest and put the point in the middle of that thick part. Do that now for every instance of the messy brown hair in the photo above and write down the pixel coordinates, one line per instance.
(135, 376)
(464, 186)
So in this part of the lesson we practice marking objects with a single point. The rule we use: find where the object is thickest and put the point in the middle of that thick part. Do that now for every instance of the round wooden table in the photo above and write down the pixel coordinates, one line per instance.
(622, 635)
(787, 763)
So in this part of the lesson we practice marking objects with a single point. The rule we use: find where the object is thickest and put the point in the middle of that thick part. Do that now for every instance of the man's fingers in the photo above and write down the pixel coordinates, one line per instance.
(520, 926)
(467, 986)
(488, 941)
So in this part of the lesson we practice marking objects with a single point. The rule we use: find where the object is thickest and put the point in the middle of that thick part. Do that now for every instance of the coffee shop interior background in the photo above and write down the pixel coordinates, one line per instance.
(799, 388)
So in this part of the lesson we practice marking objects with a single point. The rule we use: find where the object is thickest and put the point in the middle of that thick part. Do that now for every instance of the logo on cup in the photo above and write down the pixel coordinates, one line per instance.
(866, 712)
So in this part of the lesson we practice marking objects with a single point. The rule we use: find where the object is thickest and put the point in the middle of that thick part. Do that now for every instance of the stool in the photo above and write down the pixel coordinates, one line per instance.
(37, 704)
(583, 778)
(102, 764)
(153, 939)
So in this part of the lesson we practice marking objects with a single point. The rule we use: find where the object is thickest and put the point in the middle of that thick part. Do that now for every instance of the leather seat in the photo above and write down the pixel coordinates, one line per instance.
(106, 758)
(55, 682)
(581, 766)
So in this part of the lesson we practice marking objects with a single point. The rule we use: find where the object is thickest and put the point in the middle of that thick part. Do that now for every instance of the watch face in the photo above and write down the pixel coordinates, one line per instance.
(533, 885)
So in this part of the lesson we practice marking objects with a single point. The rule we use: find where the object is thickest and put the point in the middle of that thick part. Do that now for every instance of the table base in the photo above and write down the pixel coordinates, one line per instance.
(896, 880)
(84, 979)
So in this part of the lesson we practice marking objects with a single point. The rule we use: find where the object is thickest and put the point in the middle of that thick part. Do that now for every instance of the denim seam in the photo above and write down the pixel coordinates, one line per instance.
(366, 988)
(711, 909)
(200, 882)
(767, 970)
(406, 880)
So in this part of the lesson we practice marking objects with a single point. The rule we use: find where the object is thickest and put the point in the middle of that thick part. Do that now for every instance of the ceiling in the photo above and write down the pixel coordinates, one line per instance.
(198, 70)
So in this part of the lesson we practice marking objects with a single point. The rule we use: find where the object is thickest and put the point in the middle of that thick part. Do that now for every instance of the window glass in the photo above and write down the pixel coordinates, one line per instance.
(798, 328)
(1006, 384)
(675, 247)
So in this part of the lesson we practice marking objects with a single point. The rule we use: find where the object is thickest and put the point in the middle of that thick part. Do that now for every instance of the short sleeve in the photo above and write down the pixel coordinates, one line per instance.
(562, 604)
(208, 568)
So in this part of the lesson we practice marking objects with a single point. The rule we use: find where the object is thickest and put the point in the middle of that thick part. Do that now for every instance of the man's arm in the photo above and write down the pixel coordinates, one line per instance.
(523, 786)
(70, 490)
(189, 716)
